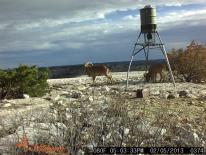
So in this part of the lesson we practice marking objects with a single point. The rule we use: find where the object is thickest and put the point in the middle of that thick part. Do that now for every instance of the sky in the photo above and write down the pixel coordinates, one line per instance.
(69, 32)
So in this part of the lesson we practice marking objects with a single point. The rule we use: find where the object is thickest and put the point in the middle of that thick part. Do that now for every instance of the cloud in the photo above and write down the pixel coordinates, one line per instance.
(83, 34)
(183, 17)
(73, 9)
(131, 17)
(71, 25)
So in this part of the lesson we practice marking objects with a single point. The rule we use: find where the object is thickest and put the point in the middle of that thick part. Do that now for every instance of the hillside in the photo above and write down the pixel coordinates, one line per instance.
(78, 115)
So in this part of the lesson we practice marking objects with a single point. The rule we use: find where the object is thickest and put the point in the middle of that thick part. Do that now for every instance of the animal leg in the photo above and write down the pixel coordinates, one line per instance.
(154, 78)
(93, 78)
(161, 77)
(147, 77)
(108, 77)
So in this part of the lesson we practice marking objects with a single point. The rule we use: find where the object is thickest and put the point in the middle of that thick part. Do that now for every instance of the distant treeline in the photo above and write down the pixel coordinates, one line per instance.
(77, 70)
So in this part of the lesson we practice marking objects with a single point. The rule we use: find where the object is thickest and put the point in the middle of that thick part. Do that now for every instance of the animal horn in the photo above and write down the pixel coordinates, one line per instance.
(86, 64)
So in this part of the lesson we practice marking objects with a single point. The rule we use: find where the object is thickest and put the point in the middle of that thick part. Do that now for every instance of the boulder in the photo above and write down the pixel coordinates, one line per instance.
(6, 105)
(6, 143)
(191, 102)
(172, 95)
(183, 93)
(57, 98)
(157, 130)
(26, 96)
(64, 92)
(81, 88)
(91, 98)
(106, 88)
(155, 93)
(126, 131)
(203, 92)
(191, 96)
(35, 130)
(81, 152)
(186, 135)
(164, 94)
(76, 94)
(142, 93)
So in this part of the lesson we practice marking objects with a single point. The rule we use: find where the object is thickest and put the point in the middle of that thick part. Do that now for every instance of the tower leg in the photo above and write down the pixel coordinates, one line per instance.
(147, 55)
(146, 52)
(129, 70)
(133, 53)
(165, 55)
(168, 64)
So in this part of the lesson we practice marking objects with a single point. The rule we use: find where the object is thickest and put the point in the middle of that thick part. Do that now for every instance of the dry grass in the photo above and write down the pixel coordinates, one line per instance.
(121, 120)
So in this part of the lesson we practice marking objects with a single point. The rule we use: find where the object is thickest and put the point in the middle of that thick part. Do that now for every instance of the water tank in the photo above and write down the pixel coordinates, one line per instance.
(148, 19)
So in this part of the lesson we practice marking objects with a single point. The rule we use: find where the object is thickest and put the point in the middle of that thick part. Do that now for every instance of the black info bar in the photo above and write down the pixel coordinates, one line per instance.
(149, 150)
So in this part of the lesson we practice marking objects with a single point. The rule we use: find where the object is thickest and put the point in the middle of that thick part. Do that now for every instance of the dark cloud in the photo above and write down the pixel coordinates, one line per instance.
(116, 47)
(38, 9)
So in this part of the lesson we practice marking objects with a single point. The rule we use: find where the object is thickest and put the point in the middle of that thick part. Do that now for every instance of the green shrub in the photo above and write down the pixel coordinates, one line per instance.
(23, 80)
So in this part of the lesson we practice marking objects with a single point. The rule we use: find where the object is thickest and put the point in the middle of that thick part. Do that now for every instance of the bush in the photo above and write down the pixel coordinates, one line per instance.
(23, 80)
(189, 64)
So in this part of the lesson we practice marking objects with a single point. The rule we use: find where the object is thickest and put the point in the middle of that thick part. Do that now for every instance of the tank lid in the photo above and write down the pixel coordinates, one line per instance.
(148, 6)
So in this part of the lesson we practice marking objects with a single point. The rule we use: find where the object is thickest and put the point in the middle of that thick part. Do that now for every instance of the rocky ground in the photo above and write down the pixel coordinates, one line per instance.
(78, 115)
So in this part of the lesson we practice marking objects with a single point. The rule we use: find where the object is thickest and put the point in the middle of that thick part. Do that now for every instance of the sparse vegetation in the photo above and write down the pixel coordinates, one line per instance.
(189, 64)
(79, 116)
(23, 80)
(118, 121)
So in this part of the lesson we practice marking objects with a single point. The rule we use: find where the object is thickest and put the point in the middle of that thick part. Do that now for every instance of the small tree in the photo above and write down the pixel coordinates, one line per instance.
(189, 63)
(23, 80)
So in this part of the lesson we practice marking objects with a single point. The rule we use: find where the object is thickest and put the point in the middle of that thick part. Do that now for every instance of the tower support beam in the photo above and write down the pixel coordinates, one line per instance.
(149, 43)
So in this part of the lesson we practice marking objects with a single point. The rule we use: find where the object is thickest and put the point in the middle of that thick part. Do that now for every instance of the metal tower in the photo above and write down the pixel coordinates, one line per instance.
(149, 38)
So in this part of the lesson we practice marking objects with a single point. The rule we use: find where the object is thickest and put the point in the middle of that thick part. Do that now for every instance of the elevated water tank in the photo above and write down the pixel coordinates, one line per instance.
(148, 19)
